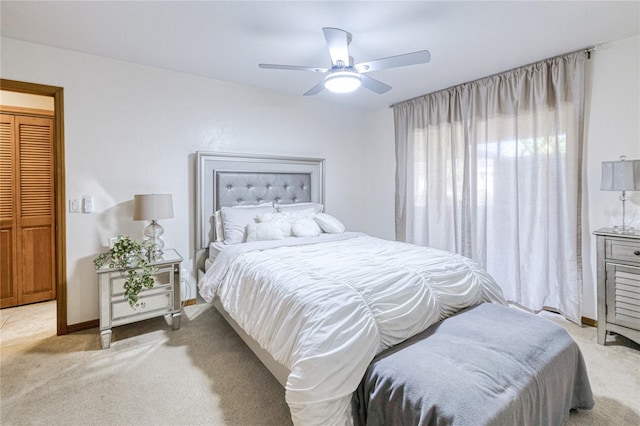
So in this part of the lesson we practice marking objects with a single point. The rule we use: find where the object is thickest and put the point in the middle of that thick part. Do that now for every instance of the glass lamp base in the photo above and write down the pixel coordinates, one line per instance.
(154, 242)
(624, 230)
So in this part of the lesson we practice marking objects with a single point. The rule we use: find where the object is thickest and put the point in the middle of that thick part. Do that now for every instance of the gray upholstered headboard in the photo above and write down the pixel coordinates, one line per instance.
(226, 179)
(235, 188)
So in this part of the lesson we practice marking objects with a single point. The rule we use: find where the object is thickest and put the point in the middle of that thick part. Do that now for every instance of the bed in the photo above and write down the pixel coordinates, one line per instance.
(345, 321)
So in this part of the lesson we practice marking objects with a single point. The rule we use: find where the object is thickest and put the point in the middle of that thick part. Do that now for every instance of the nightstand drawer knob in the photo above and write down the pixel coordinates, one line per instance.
(637, 252)
(143, 304)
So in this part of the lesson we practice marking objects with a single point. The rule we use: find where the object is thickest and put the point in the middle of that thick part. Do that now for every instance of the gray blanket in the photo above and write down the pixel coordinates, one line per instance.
(487, 365)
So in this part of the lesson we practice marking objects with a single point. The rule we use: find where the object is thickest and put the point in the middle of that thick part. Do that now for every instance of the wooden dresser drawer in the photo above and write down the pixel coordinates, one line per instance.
(623, 250)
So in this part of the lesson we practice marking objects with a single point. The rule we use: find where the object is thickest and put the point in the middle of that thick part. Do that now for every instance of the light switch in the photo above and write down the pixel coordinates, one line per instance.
(74, 206)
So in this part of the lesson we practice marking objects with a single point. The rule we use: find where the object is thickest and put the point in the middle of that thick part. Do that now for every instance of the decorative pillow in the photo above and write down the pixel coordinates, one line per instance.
(299, 206)
(267, 231)
(288, 216)
(306, 228)
(236, 219)
(329, 224)
(217, 225)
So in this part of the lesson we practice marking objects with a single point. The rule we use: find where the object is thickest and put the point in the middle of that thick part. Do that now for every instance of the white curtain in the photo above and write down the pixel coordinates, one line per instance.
(492, 170)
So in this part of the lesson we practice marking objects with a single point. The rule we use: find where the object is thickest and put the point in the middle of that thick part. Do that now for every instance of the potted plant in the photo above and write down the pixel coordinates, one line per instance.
(128, 256)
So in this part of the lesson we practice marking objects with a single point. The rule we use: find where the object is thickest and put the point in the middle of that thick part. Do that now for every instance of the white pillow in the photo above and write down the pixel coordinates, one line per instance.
(306, 228)
(267, 231)
(329, 224)
(236, 219)
(288, 216)
(217, 224)
(299, 206)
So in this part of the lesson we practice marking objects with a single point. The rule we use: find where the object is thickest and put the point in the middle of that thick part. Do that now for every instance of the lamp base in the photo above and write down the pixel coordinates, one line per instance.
(154, 242)
(624, 230)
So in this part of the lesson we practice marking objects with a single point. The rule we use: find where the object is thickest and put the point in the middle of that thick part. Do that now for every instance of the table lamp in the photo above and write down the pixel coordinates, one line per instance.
(622, 175)
(153, 207)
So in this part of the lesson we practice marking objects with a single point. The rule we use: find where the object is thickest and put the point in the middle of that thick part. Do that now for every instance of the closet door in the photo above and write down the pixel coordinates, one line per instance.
(32, 230)
(8, 279)
(36, 233)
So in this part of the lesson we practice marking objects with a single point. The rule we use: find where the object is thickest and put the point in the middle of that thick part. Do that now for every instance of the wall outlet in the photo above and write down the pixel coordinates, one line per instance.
(87, 203)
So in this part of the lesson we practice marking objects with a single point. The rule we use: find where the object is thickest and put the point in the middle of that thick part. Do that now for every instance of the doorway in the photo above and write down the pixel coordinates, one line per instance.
(59, 229)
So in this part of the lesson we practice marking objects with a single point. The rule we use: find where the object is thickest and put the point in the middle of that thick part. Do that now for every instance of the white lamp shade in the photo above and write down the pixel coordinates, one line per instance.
(620, 175)
(152, 206)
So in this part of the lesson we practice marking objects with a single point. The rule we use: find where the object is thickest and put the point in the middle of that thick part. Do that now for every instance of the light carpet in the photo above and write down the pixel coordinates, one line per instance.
(204, 374)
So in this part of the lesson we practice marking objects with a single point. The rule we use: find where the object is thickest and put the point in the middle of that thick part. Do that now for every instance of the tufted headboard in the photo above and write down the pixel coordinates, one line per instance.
(226, 179)
(233, 188)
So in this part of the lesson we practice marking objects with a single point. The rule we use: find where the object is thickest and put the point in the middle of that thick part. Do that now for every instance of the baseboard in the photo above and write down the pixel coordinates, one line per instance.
(588, 321)
(188, 302)
(72, 328)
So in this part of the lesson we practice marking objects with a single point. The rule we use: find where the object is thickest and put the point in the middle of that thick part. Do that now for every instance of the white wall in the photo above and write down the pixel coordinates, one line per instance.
(119, 116)
(25, 100)
(133, 129)
(380, 172)
(612, 129)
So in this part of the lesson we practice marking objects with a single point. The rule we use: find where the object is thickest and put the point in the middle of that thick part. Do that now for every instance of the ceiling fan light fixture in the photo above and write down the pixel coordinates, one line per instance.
(342, 81)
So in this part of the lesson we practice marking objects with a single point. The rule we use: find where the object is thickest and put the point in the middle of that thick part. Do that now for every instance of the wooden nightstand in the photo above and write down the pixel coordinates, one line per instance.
(618, 284)
(162, 299)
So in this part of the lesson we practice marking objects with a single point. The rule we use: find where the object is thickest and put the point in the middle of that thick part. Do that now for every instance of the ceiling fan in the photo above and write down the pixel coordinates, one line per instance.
(344, 76)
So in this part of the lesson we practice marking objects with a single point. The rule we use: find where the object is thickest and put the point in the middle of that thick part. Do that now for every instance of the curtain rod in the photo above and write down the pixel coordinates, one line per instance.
(586, 50)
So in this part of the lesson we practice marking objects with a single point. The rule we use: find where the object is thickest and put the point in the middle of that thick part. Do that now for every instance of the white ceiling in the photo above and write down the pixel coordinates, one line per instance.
(226, 40)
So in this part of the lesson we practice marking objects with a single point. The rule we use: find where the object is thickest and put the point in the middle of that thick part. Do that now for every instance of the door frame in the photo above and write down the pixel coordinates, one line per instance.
(58, 189)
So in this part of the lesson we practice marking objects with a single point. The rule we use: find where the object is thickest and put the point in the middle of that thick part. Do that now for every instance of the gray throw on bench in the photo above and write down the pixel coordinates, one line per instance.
(487, 365)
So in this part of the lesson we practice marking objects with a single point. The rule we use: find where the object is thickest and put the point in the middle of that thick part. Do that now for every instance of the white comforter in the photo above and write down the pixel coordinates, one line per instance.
(324, 310)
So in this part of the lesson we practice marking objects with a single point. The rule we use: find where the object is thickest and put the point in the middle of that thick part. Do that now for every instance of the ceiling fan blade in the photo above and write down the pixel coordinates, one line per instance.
(373, 84)
(292, 68)
(315, 89)
(337, 42)
(420, 57)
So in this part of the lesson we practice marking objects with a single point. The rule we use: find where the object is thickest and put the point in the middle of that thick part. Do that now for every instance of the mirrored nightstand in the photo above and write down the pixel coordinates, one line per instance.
(163, 299)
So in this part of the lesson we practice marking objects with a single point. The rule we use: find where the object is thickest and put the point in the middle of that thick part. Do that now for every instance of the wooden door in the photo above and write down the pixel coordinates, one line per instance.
(27, 214)
(8, 279)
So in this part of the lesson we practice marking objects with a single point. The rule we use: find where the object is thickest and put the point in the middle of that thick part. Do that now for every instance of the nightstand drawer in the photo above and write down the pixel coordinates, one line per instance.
(162, 277)
(146, 305)
(622, 250)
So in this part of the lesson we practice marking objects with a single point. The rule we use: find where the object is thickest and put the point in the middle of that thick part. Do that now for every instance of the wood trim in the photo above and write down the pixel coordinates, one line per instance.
(59, 189)
(61, 227)
(588, 321)
(72, 328)
(188, 302)
(26, 111)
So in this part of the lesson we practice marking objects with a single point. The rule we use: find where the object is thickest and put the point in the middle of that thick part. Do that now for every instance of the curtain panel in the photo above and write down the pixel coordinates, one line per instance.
(492, 170)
